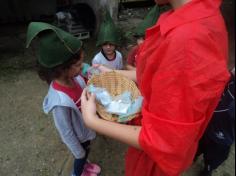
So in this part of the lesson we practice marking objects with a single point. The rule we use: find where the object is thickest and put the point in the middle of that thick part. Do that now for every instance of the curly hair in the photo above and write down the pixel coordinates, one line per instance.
(50, 74)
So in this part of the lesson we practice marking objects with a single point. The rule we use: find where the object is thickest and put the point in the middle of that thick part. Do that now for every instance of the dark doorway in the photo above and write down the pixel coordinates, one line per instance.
(82, 14)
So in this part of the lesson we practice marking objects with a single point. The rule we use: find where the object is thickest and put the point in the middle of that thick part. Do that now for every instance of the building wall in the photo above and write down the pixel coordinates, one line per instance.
(99, 5)
(17, 10)
(20, 11)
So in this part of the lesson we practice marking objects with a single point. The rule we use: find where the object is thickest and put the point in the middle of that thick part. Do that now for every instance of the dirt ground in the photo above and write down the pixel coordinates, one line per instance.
(29, 144)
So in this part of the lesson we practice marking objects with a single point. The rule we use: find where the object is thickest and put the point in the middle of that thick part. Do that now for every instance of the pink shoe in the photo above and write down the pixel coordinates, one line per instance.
(87, 173)
(93, 168)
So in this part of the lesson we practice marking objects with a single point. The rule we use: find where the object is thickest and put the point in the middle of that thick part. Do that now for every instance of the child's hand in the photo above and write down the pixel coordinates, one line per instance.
(102, 68)
(233, 71)
(88, 107)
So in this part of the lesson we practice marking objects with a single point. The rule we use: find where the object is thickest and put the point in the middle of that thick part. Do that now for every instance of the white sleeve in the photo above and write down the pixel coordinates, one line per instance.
(96, 60)
(63, 123)
(121, 61)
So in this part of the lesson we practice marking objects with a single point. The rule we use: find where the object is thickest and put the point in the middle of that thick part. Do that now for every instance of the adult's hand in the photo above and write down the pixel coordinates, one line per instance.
(88, 108)
(102, 68)
(131, 74)
(124, 133)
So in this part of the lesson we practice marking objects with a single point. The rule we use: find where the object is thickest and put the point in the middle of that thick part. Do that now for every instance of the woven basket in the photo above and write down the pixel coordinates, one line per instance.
(115, 84)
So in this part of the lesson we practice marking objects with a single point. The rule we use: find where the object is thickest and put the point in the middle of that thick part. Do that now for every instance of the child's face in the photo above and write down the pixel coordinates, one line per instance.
(76, 68)
(108, 48)
(140, 40)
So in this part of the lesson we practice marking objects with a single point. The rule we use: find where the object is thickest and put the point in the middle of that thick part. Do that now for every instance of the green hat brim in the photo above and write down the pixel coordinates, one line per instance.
(55, 45)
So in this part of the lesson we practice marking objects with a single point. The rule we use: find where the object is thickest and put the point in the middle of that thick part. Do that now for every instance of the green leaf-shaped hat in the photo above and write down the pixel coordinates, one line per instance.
(108, 31)
(149, 21)
(55, 45)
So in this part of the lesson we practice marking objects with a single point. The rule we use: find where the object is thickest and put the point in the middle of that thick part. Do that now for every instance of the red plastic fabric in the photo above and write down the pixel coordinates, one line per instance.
(73, 92)
(182, 72)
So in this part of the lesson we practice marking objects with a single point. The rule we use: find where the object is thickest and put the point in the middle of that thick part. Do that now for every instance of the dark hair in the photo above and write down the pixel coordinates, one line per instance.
(109, 43)
(49, 74)
(136, 36)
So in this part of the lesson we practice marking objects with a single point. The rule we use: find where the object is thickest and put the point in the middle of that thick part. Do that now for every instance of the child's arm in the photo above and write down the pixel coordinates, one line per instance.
(233, 71)
(62, 122)
(124, 133)
(96, 60)
(121, 66)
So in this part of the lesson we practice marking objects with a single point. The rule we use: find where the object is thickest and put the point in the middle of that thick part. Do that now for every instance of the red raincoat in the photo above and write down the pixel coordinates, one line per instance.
(182, 72)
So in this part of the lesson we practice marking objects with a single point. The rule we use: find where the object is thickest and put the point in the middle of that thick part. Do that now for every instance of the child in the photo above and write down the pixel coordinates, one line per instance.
(220, 134)
(108, 40)
(139, 34)
(181, 73)
(59, 64)
(131, 58)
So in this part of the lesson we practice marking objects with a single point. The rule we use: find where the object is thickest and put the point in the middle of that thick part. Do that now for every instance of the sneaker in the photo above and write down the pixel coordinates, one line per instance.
(87, 173)
(93, 168)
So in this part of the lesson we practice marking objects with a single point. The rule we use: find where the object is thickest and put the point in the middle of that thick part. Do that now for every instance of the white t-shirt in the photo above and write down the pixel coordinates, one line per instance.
(116, 63)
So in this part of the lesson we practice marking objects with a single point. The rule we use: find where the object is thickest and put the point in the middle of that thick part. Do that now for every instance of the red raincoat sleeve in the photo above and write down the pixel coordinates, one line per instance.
(182, 96)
